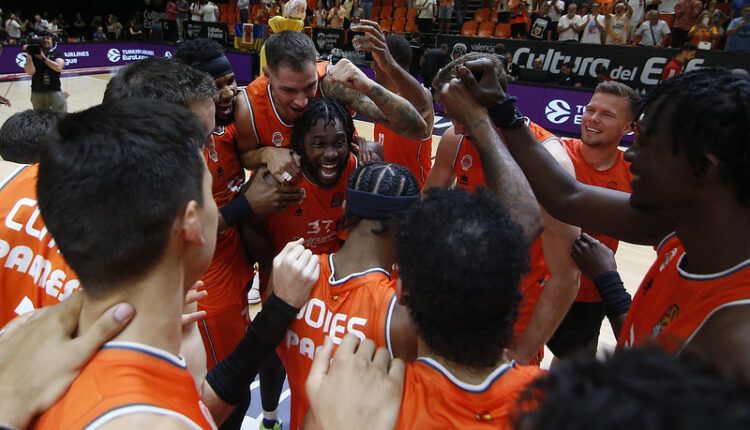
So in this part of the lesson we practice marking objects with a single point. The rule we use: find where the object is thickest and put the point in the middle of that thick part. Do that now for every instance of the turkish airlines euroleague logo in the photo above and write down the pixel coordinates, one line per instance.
(557, 111)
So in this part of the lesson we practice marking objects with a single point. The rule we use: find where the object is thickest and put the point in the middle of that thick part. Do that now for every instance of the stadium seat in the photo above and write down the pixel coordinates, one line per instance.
(668, 18)
(399, 3)
(223, 17)
(223, 8)
(377, 3)
(502, 30)
(375, 13)
(399, 13)
(398, 25)
(411, 26)
(469, 28)
(411, 14)
(482, 15)
(486, 29)
(386, 12)
(385, 25)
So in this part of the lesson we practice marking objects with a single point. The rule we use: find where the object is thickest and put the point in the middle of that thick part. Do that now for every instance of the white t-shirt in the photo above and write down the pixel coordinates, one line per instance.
(570, 33)
(591, 32)
(13, 28)
(639, 7)
(660, 30)
(667, 6)
(618, 30)
(209, 12)
(428, 11)
(195, 12)
(553, 13)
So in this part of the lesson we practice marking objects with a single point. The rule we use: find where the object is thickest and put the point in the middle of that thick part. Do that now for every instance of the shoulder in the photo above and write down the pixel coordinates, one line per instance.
(152, 421)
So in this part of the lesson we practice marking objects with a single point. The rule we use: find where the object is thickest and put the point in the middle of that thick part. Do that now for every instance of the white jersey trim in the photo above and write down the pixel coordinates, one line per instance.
(724, 306)
(146, 349)
(472, 388)
(252, 116)
(334, 282)
(388, 319)
(12, 175)
(273, 106)
(710, 276)
(663, 241)
(139, 409)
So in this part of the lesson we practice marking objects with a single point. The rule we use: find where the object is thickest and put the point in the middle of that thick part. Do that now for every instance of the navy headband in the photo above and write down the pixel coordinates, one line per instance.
(216, 67)
(376, 206)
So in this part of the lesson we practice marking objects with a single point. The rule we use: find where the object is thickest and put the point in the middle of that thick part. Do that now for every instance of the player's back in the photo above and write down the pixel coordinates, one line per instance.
(435, 399)
(32, 271)
(128, 378)
(359, 303)
(414, 154)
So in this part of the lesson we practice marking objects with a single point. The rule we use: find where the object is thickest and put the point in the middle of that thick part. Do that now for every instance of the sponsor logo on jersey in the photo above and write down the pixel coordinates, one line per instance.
(277, 139)
(665, 319)
(467, 161)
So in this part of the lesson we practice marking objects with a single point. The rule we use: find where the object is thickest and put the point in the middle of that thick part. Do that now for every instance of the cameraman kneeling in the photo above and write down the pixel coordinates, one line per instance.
(44, 67)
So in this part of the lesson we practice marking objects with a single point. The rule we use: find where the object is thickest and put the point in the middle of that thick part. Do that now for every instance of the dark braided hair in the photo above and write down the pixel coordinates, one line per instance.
(708, 112)
(193, 52)
(385, 179)
(329, 110)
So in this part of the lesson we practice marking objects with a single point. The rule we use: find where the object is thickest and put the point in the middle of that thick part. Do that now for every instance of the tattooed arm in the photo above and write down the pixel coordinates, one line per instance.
(346, 83)
(503, 176)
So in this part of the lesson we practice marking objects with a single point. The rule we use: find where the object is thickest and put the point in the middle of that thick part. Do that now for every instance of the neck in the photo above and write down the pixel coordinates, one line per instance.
(363, 250)
(600, 157)
(470, 375)
(714, 239)
(158, 300)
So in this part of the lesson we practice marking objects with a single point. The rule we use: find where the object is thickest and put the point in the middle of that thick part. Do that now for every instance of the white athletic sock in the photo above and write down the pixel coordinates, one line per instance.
(271, 416)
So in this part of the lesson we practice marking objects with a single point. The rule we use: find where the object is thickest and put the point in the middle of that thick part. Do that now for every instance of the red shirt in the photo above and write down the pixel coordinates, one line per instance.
(672, 69)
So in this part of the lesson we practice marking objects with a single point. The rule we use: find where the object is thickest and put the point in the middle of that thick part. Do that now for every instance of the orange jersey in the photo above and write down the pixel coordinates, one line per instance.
(414, 154)
(360, 303)
(270, 129)
(32, 270)
(616, 177)
(531, 287)
(671, 304)
(224, 164)
(467, 166)
(435, 399)
(128, 378)
(315, 219)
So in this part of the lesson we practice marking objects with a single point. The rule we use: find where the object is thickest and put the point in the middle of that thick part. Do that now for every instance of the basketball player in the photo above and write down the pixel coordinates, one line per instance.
(606, 119)
(293, 78)
(689, 176)
(392, 57)
(550, 286)
(354, 293)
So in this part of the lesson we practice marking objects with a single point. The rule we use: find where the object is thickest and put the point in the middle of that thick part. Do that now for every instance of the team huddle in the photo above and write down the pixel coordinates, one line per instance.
(397, 293)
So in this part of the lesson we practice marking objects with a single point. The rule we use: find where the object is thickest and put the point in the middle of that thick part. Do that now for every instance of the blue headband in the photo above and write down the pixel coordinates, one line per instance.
(216, 67)
(376, 206)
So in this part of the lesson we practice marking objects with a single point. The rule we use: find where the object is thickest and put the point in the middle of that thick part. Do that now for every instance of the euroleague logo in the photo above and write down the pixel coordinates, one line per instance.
(557, 111)
(21, 60)
(277, 139)
(113, 55)
(467, 161)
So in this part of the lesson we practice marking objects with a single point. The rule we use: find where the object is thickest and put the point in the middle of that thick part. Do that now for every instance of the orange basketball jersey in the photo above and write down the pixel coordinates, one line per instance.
(270, 129)
(672, 304)
(435, 399)
(616, 177)
(360, 304)
(32, 270)
(315, 219)
(414, 154)
(128, 378)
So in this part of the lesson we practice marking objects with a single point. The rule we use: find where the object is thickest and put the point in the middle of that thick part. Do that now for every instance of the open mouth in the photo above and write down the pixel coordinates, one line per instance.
(593, 130)
(329, 171)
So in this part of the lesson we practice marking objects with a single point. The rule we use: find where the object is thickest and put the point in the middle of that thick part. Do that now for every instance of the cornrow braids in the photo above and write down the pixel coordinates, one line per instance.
(329, 110)
(385, 179)
(707, 112)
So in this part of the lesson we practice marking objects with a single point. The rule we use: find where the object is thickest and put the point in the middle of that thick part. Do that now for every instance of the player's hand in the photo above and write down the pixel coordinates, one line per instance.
(282, 164)
(4, 101)
(592, 257)
(345, 73)
(40, 358)
(361, 148)
(479, 77)
(190, 312)
(459, 103)
(335, 387)
(373, 41)
(295, 271)
(267, 196)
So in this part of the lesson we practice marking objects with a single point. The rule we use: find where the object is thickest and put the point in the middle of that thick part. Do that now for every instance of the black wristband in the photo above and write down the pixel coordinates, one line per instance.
(231, 378)
(505, 114)
(236, 211)
(615, 300)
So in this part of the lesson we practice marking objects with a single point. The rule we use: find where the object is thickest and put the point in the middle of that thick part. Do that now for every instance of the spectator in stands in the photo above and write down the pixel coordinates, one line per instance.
(738, 33)
(445, 12)
(676, 65)
(665, 6)
(13, 28)
(336, 15)
(209, 12)
(426, 15)
(518, 18)
(134, 30)
(618, 25)
(183, 13)
(356, 13)
(602, 74)
(99, 35)
(639, 12)
(567, 78)
(583, 9)
(737, 6)
(569, 26)
(367, 9)
(110, 27)
(653, 33)
(556, 9)
(321, 14)
(195, 11)
(685, 15)
(63, 26)
(79, 27)
(718, 19)
(541, 24)
(40, 25)
(54, 28)
(511, 69)
(460, 8)
(244, 7)
(704, 33)
(593, 26)
(96, 22)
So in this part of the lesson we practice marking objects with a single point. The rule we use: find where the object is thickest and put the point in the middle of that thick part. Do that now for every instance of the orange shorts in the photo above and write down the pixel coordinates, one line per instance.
(222, 332)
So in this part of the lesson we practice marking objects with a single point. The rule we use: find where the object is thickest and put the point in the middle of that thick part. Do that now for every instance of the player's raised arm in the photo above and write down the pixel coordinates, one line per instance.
(595, 208)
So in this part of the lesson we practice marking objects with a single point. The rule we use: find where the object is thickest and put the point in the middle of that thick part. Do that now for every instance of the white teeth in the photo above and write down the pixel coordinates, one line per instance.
(593, 130)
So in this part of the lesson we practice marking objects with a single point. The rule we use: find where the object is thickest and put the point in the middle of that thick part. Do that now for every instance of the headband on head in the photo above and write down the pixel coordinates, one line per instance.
(376, 206)
(216, 67)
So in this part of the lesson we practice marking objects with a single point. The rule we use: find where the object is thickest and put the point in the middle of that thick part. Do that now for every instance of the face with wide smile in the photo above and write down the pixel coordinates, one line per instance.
(292, 90)
(325, 152)
(605, 120)
(227, 86)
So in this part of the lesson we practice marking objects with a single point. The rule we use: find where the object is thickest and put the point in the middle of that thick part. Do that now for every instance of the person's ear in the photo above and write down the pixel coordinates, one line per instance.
(190, 225)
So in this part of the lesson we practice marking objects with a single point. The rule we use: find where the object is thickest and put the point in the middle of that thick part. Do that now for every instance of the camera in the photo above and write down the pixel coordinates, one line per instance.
(34, 49)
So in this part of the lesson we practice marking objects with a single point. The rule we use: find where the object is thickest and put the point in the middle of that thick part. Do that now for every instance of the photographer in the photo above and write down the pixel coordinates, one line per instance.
(44, 67)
